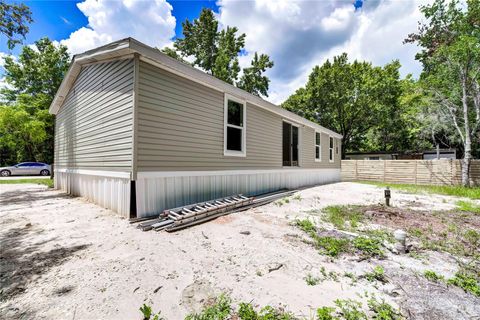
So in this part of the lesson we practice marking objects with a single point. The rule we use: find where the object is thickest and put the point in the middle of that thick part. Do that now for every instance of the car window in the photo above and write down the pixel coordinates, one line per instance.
(36, 164)
(25, 164)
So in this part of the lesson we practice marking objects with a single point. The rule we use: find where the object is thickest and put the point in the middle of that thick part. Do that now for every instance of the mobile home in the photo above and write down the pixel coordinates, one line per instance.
(139, 132)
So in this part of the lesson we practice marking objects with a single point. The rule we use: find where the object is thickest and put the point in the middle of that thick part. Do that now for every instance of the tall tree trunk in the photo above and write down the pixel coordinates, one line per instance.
(468, 141)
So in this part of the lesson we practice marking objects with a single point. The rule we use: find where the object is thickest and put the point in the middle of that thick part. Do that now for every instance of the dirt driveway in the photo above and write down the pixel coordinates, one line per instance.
(64, 258)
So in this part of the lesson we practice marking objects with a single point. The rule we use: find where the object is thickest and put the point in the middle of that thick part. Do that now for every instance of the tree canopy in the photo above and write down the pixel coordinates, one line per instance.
(217, 52)
(356, 99)
(14, 20)
(450, 42)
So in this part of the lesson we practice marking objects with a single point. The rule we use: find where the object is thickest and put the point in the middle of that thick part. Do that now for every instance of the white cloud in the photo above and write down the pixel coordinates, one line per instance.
(148, 21)
(301, 34)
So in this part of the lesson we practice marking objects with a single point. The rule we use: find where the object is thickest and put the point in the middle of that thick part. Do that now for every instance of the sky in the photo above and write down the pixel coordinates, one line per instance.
(297, 34)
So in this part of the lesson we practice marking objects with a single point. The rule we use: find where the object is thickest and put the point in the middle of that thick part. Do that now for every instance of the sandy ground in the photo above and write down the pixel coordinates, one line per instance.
(65, 258)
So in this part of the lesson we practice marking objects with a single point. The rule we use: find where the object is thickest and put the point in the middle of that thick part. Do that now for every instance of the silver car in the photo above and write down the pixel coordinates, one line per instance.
(26, 169)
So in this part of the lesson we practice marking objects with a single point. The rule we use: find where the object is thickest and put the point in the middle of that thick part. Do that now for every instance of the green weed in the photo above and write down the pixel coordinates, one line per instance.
(350, 310)
(468, 206)
(466, 282)
(331, 246)
(219, 310)
(433, 276)
(339, 215)
(369, 247)
(311, 280)
(377, 274)
(148, 313)
(306, 225)
(383, 311)
(326, 313)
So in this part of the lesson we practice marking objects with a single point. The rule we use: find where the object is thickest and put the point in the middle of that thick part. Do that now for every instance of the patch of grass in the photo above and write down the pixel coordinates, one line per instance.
(311, 280)
(47, 182)
(377, 274)
(468, 206)
(339, 215)
(282, 201)
(326, 245)
(380, 234)
(369, 247)
(147, 313)
(383, 311)
(219, 309)
(350, 310)
(326, 313)
(297, 197)
(306, 225)
(458, 191)
(433, 276)
(332, 247)
(472, 237)
(466, 282)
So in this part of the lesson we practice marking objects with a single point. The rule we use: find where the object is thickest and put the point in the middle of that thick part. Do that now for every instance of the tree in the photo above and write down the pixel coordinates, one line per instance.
(14, 20)
(253, 79)
(217, 51)
(21, 135)
(355, 99)
(33, 82)
(450, 41)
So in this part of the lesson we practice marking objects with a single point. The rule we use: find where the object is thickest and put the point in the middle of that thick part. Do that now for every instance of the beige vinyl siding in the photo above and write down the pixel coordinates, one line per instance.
(93, 128)
(308, 150)
(181, 127)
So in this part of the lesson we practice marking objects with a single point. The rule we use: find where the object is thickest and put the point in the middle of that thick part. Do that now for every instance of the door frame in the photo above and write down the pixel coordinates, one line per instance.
(299, 144)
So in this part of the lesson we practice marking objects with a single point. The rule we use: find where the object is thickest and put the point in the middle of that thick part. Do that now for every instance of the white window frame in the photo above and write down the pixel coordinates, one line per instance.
(300, 143)
(331, 148)
(233, 153)
(317, 145)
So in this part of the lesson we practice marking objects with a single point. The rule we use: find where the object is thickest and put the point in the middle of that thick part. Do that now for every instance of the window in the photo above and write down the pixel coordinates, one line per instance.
(318, 147)
(234, 133)
(331, 149)
(290, 145)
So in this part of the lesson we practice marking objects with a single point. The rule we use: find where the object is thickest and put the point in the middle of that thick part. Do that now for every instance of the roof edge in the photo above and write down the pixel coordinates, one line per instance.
(129, 45)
